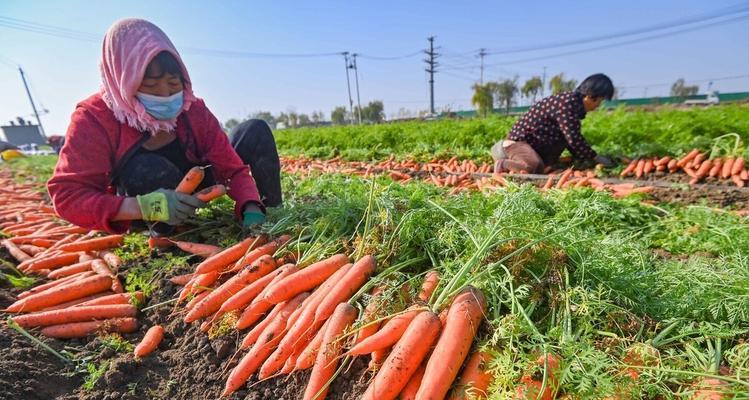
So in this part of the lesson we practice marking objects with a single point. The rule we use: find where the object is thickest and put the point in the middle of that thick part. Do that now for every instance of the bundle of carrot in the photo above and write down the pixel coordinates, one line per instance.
(578, 179)
(696, 164)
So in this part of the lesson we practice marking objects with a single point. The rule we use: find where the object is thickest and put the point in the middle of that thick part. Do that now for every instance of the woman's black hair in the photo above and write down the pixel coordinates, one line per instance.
(596, 86)
(168, 64)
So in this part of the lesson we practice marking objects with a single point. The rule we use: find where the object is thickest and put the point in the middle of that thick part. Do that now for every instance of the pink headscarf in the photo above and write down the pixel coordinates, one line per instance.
(128, 48)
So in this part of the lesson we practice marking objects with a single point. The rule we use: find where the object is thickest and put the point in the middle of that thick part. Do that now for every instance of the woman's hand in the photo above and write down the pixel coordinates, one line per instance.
(252, 215)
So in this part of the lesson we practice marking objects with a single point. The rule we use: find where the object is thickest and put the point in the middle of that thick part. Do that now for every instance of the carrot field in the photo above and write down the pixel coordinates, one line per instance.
(401, 267)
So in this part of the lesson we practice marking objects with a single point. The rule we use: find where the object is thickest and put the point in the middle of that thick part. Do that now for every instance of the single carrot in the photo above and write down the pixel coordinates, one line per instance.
(31, 249)
(181, 280)
(388, 335)
(268, 340)
(102, 243)
(431, 280)
(698, 159)
(15, 251)
(662, 161)
(648, 167)
(463, 320)
(113, 260)
(49, 262)
(116, 298)
(198, 249)
(738, 165)
(687, 158)
(562, 179)
(213, 301)
(672, 166)
(82, 329)
(405, 358)
(475, 379)
(150, 341)
(70, 270)
(327, 357)
(629, 169)
(198, 284)
(704, 169)
(717, 167)
(75, 314)
(195, 300)
(549, 182)
(737, 180)
(354, 279)
(247, 294)
(51, 284)
(117, 285)
(77, 302)
(727, 168)
(640, 168)
(229, 255)
(101, 268)
(254, 334)
(412, 387)
(191, 181)
(60, 294)
(370, 311)
(304, 280)
(211, 193)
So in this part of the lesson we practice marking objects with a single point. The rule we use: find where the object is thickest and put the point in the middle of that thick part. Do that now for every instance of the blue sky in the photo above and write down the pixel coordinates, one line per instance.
(63, 71)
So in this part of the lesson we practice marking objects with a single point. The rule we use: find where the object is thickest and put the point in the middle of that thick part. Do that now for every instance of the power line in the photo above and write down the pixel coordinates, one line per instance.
(636, 31)
(704, 80)
(390, 58)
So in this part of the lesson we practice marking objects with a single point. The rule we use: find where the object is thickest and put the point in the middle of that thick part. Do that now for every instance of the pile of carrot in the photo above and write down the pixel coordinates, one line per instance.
(698, 165)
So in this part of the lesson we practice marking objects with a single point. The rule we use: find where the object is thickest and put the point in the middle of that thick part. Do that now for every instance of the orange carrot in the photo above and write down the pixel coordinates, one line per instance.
(70, 270)
(60, 294)
(259, 306)
(629, 169)
(267, 249)
(475, 378)
(292, 306)
(530, 388)
(549, 182)
(698, 159)
(640, 168)
(727, 168)
(354, 279)
(77, 302)
(181, 280)
(15, 251)
(191, 181)
(150, 341)
(268, 340)
(412, 387)
(565, 176)
(405, 358)
(648, 167)
(198, 284)
(195, 300)
(737, 180)
(82, 329)
(211, 193)
(662, 162)
(116, 298)
(113, 260)
(75, 314)
(228, 256)
(213, 301)
(388, 335)
(198, 249)
(327, 357)
(704, 169)
(31, 249)
(370, 327)
(431, 280)
(304, 280)
(309, 354)
(101, 268)
(672, 166)
(463, 320)
(254, 334)
(102, 243)
(738, 165)
(49, 262)
(48, 285)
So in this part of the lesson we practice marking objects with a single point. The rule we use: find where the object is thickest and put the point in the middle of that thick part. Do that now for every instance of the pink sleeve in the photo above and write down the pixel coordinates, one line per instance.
(78, 187)
(228, 168)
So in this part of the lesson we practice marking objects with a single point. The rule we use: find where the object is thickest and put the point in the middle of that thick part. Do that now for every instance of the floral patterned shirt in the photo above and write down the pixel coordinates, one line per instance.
(553, 124)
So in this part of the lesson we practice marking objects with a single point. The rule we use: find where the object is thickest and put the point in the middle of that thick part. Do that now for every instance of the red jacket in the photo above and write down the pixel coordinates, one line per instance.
(96, 141)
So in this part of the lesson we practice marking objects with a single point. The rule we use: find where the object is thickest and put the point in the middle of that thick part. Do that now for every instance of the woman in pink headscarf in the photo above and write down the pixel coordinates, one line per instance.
(129, 145)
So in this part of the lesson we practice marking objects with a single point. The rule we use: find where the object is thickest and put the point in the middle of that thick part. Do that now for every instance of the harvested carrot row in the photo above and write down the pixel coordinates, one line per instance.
(102, 243)
(82, 329)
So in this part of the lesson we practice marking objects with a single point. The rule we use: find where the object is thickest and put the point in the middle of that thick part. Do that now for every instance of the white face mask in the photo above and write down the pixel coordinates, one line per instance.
(162, 108)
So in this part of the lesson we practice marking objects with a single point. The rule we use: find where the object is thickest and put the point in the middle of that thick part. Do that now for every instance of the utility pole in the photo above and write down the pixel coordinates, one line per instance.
(482, 53)
(33, 106)
(356, 76)
(543, 83)
(348, 85)
(431, 68)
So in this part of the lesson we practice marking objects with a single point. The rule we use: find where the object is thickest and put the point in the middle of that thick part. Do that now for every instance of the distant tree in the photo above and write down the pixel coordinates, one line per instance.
(304, 120)
(532, 87)
(265, 116)
(681, 89)
(317, 117)
(558, 84)
(482, 98)
(293, 119)
(283, 119)
(373, 112)
(338, 115)
(505, 92)
(230, 124)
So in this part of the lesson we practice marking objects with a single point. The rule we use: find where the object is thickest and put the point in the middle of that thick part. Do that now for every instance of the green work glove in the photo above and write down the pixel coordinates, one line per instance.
(252, 215)
(165, 205)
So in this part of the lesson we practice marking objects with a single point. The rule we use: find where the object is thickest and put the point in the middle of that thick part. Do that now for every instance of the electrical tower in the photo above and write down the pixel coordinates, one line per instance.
(356, 79)
(33, 106)
(348, 86)
(482, 53)
(431, 68)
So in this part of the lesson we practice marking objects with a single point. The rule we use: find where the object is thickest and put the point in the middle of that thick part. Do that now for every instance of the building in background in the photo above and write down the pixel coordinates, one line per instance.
(21, 132)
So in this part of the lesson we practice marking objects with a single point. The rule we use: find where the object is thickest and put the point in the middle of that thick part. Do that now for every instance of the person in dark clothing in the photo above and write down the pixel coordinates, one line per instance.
(552, 125)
